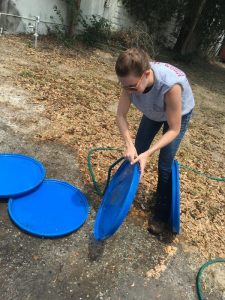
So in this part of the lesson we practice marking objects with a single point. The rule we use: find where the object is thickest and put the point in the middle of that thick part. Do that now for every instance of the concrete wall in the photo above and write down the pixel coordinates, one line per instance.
(29, 8)
(121, 18)
(110, 9)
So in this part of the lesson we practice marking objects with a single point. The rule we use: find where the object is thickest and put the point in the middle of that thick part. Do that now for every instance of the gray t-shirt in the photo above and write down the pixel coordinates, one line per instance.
(151, 104)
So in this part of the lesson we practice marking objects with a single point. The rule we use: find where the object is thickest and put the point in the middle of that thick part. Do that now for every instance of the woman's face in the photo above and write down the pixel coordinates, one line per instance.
(134, 84)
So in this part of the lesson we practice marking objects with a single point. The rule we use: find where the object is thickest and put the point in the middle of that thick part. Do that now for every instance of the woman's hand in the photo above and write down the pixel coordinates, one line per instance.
(130, 153)
(142, 159)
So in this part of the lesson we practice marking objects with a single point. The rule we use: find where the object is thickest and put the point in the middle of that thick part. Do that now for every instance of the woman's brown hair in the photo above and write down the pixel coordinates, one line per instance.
(132, 61)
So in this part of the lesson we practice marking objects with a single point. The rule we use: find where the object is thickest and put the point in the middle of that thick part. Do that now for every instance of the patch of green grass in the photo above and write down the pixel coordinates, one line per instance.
(30, 44)
(26, 73)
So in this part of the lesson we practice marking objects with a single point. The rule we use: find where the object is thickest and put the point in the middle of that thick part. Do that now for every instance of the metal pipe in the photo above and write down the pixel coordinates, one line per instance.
(31, 19)
(37, 20)
(10, 15)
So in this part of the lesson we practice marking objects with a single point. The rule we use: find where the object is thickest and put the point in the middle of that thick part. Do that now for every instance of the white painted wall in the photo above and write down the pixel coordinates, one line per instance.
(31, 8)
(109, 9)
(92, 7)
(41, 8)
(120, 17)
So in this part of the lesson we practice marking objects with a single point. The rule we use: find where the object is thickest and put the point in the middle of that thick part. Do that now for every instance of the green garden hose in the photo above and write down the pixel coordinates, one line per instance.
(202, 174)
(95, 183)
(198, 278)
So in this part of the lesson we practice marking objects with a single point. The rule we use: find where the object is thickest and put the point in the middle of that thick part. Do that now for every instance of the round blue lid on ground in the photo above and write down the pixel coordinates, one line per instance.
(19, 174)
(54, 209)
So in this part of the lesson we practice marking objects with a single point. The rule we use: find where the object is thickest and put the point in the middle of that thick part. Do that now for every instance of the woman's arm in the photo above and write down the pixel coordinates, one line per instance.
(122, 110)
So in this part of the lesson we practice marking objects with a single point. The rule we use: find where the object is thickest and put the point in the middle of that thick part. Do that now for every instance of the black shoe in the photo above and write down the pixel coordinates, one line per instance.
(157, 228)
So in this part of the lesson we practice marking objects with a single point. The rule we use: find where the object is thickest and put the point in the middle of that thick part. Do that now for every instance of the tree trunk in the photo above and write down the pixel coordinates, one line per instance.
(188, 27)
(73, 10)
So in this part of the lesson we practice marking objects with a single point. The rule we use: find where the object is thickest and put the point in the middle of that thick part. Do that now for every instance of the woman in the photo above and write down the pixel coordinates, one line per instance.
(163, 94)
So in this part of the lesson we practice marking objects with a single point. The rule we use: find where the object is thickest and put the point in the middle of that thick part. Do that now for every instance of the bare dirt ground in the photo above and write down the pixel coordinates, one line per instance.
(56, 104)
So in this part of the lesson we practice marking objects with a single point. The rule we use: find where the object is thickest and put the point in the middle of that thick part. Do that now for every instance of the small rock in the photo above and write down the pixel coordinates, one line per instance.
(70, 130)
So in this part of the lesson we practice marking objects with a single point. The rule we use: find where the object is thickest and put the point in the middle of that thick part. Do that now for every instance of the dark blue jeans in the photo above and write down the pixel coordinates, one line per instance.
(145, 135)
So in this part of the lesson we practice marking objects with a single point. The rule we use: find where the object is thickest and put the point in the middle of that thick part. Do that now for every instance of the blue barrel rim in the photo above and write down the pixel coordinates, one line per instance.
(175, 203)
(123, 213)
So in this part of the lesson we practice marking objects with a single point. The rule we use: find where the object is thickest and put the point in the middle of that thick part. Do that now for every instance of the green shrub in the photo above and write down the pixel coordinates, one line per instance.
(96, 29)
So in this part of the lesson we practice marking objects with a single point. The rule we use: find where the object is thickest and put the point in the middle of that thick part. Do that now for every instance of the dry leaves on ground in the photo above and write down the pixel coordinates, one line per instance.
(80, 99)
